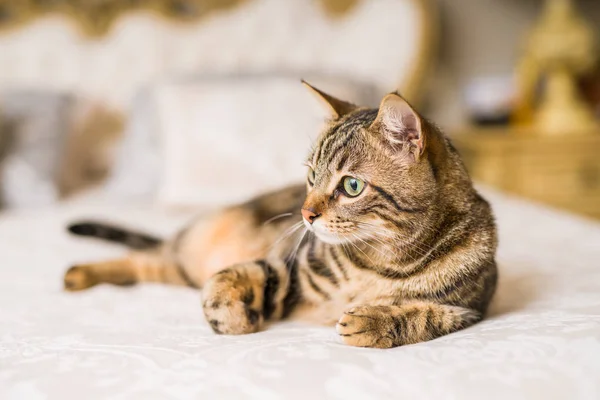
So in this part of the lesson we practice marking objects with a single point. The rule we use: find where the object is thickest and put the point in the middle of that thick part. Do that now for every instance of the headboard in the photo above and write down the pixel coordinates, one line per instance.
(107, 49)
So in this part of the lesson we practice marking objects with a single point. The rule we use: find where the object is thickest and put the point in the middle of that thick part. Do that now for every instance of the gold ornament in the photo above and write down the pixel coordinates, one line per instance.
(561, 48)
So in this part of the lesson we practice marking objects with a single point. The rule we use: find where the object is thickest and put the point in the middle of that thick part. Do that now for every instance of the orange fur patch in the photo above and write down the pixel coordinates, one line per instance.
(221, 243)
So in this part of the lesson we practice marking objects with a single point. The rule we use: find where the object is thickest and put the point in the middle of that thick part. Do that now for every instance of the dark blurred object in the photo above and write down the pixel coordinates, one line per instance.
(489, 100)
(590, 88)
(93, 135)
(548, 169)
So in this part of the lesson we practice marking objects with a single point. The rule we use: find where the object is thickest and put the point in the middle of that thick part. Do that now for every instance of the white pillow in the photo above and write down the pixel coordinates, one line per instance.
(136, 172)
(224, 140)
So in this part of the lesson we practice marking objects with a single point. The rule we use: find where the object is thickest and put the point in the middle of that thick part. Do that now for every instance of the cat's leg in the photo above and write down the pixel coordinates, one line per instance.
(241, 298)
(203, 248)
(133, 268)
(397, 325)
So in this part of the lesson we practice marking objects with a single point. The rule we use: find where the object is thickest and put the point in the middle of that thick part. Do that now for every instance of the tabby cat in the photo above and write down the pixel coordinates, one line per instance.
(387, 239)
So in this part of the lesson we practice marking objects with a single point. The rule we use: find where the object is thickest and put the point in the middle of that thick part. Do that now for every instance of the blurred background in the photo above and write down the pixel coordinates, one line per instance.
(188, 102)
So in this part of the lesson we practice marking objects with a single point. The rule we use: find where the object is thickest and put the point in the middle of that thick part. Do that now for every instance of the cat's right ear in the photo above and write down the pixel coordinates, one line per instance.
(400, 125)
(337, 108)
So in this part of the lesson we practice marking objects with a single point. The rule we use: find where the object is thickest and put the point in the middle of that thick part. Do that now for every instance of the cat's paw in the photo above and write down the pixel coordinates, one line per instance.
(230, 304)
(367, 326)
(79, 277)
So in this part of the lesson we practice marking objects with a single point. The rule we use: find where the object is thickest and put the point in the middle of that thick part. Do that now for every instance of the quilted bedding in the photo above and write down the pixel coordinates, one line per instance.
(541, 339)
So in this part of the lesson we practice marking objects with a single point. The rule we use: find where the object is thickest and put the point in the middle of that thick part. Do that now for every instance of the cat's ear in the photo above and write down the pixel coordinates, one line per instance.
(400, 124)
(337, 107)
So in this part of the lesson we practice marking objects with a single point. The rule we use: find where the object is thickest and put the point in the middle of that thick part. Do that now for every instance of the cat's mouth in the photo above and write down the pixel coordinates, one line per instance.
(321, 232)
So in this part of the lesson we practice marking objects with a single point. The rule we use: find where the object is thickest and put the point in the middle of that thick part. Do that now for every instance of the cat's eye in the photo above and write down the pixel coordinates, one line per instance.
(311, 176)
(352, 186)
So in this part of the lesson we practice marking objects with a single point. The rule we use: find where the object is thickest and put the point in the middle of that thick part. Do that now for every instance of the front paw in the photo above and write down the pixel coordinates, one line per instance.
(367, 326)
(230, 304)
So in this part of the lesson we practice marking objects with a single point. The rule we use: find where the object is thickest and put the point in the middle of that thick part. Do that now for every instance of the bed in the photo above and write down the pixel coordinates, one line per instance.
(540, 340)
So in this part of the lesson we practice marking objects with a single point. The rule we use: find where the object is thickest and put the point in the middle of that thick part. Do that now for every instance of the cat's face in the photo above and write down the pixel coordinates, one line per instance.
(366, 174)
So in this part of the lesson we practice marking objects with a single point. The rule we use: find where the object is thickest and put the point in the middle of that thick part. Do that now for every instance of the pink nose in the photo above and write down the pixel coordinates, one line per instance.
(310, 215)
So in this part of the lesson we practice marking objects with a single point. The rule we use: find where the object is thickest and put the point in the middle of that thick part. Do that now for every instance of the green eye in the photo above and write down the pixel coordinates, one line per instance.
(353, 186)
(311, 176)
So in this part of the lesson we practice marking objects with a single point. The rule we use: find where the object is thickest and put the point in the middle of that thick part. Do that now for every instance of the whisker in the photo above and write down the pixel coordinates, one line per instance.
(384, 255)
(293, 254)
(359, 249)
(379, 241)
(290, 231)
(422, 228)
(420, 250)
(380, 230)
(275, 218)
(343, 244)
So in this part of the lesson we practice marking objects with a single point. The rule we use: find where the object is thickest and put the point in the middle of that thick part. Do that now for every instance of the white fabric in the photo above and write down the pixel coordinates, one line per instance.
(379, 42)
(225, 139)
(541, 340)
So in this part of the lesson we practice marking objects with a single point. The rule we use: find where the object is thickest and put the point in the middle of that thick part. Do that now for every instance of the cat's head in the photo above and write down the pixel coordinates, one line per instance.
(371, 171)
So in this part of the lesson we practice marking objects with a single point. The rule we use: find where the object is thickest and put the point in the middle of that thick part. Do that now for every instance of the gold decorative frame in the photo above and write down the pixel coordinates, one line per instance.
(414, 86)
(96, 17)
(338, 8)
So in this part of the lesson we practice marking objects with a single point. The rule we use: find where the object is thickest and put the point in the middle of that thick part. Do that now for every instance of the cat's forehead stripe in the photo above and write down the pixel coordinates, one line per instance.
(331, 139)
(341, 135)
(342, 161)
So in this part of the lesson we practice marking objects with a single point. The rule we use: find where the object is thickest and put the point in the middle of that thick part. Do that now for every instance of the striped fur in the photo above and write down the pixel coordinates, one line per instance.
(131, 239)
(408, 260)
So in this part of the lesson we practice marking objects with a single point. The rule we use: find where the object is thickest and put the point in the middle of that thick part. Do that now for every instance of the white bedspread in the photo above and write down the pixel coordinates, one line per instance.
(541, 340)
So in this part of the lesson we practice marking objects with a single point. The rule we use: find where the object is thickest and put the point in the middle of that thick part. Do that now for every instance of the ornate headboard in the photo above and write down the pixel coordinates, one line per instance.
(107, 49)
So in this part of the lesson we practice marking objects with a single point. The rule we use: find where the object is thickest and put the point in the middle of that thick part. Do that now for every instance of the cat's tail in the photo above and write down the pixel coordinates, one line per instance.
(132, 239)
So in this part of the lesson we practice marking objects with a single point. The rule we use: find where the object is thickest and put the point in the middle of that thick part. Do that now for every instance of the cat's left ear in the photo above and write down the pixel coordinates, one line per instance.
(337, 107)
(400, 124)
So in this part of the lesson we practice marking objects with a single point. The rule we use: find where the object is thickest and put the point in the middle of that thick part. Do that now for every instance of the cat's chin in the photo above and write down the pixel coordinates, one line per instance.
(330, 239)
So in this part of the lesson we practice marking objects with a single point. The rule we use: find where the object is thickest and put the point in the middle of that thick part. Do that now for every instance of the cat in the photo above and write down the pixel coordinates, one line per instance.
(396, 248)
